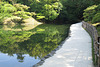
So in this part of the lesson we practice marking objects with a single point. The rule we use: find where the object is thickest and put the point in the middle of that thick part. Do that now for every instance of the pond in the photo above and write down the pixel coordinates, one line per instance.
(24, 46)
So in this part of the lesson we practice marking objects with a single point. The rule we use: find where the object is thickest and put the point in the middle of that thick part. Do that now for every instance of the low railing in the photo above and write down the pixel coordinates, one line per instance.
(96, 41)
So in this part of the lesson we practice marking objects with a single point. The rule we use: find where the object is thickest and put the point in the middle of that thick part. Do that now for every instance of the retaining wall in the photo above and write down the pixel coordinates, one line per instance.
(96, 45)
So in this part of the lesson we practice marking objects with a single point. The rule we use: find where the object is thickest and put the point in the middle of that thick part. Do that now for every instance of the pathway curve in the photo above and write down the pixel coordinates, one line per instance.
(75, 52)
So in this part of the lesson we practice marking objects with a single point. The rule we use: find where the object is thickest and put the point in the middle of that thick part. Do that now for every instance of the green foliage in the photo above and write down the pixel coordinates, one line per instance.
(96, 1)
(97, 26)
(22, 11)
(89, 13)
(96, 18)
(45, 9)
(51, 11)
(92, 14)
(21, 7)
(7, 11)
(63, 10)
(7, 8)
(73, 10)
(23, 14)
(3, 16)
(90, 8)
(40, 17)
(98, 29)
(98, 8)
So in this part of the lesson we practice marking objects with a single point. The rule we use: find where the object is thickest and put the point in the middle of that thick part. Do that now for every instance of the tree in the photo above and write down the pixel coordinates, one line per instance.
(45, 9)
(73, 10)
(13, 1)
(97, 1)
(52, 11)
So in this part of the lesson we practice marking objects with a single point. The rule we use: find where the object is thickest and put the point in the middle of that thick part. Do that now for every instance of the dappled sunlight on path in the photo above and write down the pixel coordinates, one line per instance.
(75, 52)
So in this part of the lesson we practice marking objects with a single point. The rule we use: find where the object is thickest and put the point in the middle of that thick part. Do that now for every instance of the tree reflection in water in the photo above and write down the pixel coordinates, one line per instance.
(37, 42)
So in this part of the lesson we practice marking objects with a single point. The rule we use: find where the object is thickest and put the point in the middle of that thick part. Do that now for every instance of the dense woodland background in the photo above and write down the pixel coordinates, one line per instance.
(51, 11)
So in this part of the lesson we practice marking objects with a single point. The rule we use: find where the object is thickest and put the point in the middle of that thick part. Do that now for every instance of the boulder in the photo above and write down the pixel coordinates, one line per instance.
(30, 21)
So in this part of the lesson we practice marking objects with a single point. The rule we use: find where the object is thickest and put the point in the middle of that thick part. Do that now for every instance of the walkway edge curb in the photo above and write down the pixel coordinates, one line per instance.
(53, 51)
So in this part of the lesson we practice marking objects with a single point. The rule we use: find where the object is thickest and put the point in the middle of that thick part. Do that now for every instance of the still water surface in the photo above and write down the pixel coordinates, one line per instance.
(24, 46)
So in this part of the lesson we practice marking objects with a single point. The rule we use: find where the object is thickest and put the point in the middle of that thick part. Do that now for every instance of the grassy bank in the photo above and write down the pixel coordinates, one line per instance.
(97, 26)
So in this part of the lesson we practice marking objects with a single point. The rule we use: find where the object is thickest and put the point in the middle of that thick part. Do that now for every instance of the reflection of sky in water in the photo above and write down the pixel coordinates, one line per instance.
(26, 43)
(11, 61)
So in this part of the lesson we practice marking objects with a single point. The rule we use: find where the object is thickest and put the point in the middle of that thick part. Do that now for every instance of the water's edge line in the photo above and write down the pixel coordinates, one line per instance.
(53, 51)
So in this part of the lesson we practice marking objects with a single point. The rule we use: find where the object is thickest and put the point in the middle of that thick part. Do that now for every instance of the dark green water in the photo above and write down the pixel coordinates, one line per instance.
(22, 46)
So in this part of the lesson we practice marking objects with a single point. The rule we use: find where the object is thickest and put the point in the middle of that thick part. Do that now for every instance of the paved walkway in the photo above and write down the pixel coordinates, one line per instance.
(75, 52)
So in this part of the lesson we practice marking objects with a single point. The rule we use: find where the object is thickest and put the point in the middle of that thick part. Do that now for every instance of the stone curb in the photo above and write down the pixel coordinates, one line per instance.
(52, 52)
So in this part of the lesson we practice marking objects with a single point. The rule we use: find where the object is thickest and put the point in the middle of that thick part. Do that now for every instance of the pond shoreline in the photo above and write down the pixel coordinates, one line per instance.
(75, 52)
(53, 51)
(37, 43)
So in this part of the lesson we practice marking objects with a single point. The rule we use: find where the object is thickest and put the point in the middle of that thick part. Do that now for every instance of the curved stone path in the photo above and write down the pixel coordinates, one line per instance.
(75, 52)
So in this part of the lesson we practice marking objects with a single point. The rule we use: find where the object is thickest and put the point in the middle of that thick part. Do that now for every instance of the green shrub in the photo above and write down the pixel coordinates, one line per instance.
(45, 9)
(89, 13)
(73, 10)
(40, 17)
(7, 8)
(3, 16)
(92, 14)
(6, 11)
(22, 14)
(21, 7)
(21, 11)
(52, 11)
(91, 8)
(98, 8)
(96, 18)
(14, 12)
(98, 29)
(15, 19)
